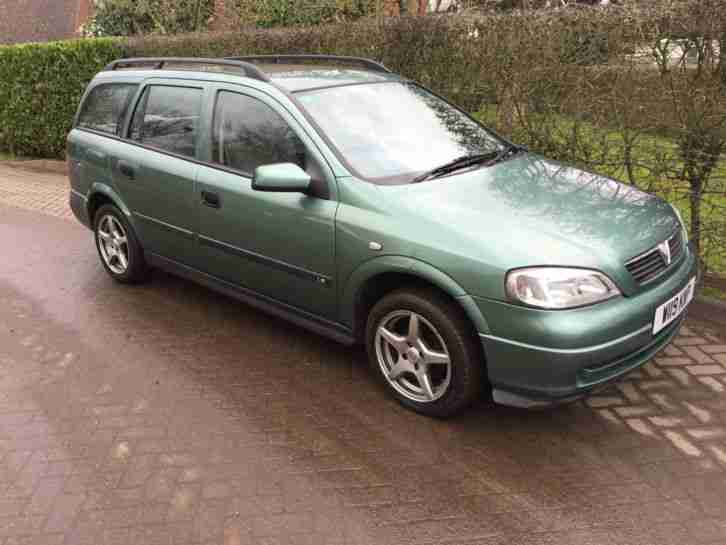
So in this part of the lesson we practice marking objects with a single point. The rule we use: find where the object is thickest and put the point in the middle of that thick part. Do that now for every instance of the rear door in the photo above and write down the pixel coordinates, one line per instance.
(278, 244)
(155, 169)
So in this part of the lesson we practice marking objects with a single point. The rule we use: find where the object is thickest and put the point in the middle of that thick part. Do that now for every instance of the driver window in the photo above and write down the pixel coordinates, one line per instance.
(247, 133)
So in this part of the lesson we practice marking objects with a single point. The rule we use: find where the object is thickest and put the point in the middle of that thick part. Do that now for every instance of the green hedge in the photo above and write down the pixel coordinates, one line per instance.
(582, 86)
(40, 87)
(470, 61)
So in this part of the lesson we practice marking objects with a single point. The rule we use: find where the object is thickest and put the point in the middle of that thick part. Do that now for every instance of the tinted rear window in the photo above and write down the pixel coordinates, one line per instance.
(105, 107)
(167, 117)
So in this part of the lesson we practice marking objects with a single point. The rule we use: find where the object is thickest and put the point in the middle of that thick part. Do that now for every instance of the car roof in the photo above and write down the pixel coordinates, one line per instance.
(294, 74)
(296, 78)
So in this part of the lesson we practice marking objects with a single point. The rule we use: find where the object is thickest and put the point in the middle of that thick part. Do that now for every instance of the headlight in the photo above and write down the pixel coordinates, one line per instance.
(683, 224)
(559, 287)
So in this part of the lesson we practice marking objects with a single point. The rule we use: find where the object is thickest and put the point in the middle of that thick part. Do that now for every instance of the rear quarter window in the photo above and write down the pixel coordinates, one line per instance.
(105, 107)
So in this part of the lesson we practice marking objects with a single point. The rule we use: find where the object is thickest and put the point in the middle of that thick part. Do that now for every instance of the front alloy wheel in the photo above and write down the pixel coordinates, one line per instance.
(413, 357)
(425, 350)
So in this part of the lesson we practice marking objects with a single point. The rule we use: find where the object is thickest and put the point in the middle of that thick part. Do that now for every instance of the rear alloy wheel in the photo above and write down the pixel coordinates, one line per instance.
(113, 244)
(120, 252)
(422, 347)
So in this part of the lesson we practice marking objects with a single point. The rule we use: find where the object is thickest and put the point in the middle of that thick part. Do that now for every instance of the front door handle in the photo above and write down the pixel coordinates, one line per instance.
(127, 170)
(211, 200)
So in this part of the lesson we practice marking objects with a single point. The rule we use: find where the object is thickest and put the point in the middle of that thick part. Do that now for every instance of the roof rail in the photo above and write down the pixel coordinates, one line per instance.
(276, 59)
(250, 70)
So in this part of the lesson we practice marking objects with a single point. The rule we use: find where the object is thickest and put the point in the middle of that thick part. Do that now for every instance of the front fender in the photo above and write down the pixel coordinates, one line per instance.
(400, 264)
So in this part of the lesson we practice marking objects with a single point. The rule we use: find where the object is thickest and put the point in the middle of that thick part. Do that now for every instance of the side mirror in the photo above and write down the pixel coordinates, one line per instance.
(281, 177)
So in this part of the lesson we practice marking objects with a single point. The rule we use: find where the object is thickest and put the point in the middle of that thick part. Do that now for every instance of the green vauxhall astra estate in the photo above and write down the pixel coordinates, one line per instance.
(358, 204)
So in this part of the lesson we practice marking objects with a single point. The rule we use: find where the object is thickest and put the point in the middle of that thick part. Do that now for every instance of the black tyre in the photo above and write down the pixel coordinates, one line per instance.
(425, 351)
(118, 247)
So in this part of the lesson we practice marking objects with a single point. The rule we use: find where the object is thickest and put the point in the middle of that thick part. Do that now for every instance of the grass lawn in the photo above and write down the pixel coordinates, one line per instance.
(717, 293)
(655, 167)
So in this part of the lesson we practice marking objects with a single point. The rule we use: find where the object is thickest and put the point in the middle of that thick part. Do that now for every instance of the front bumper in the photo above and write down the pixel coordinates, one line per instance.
(539, 358)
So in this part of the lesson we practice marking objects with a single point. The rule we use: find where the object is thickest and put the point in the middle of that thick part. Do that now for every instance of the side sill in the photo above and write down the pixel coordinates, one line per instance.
(267, 304)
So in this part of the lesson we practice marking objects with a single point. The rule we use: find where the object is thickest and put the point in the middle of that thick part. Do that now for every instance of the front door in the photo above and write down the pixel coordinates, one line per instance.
(277, 244)
(153, 173)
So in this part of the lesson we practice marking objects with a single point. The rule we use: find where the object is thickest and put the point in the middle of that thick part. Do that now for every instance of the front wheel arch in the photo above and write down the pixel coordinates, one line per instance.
(380, 276)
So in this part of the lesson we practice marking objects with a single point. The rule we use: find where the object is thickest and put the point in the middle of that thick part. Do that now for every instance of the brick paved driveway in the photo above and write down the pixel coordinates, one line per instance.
(168, 414)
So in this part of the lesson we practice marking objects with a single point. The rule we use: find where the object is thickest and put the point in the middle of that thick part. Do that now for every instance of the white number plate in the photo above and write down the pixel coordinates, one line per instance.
(674, 307)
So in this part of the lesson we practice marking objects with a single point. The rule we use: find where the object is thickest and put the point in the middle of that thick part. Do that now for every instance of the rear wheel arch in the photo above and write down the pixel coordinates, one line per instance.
(96, 201)
(101, 194)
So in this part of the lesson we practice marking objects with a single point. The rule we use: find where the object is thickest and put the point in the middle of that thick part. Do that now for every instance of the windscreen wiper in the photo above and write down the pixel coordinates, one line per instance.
(466, 161)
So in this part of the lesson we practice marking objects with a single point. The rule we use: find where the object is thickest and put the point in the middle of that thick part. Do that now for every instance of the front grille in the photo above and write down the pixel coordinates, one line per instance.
(675, 243)
(652, 263)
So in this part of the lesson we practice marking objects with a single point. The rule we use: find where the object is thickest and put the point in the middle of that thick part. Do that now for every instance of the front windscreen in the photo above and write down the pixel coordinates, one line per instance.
(391, 132)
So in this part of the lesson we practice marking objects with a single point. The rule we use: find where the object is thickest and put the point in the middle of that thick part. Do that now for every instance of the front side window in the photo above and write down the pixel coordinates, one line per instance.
(247, 133)
(168, 118)
(391, 132)
(105, 107)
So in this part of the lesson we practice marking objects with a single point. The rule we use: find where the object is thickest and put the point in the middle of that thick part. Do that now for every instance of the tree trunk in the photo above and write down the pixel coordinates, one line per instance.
(696, 198)
(722, 59)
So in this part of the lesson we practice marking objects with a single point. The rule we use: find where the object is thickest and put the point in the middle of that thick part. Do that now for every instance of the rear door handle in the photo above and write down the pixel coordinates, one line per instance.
(127, 170)
(211, 200)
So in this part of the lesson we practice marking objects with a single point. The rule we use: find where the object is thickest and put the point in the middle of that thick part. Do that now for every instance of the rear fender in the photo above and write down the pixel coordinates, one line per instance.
(107, 191)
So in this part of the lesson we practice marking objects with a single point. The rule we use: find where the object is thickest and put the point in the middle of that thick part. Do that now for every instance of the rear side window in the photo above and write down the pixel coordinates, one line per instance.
(167, 118)
(105, 107)
(247, 133)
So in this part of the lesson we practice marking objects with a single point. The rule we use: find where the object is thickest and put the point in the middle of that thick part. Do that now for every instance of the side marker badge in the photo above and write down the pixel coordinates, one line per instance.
(375, 246)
